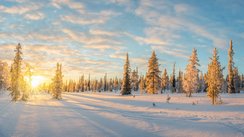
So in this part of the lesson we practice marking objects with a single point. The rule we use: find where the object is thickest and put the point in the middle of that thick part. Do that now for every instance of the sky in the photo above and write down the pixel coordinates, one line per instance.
(93, 36)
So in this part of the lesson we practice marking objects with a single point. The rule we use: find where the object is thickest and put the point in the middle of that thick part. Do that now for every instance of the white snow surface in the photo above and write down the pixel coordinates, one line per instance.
(111, 115)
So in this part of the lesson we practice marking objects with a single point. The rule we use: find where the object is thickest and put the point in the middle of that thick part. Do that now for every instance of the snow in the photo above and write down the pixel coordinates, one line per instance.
(109, 114)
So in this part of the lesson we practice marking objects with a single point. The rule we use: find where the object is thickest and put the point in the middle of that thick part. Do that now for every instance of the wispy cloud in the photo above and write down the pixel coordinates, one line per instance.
(20, 9)
(34, 16)
(89, 18)
(77, 6)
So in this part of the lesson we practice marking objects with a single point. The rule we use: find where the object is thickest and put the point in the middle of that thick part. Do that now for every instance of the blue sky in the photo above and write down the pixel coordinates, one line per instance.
(92, 36)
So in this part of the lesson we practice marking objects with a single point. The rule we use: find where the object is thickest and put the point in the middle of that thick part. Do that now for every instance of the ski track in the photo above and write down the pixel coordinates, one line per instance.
(105, 115)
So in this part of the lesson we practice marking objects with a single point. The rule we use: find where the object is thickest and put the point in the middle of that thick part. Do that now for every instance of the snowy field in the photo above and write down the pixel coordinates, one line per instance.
(111, 115)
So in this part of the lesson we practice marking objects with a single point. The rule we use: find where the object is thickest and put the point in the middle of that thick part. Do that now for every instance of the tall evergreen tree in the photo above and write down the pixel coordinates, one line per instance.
(180, 82)
(89, 83)
(16, 75)
(105, 88)
(126, 86)
(142, 85)
(135, 80)
(153, 80)
(214, 77)
(191, 83)
(173, 81)
(236, 80)
(57, 82)
(27, 85)
(116, 84)
(201, 82)
(231, 88)
(165, 80)
(4, 75)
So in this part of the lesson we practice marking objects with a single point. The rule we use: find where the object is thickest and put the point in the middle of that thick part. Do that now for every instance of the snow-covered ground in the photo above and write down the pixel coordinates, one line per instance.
(109, 114)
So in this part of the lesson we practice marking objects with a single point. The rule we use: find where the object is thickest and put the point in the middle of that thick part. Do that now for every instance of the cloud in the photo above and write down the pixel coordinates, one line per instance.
(88, 18)
(89, 40)
(102, 47)
(20, 9)
(102, 32)
(171, 51)
(182, 8)
(34, 16)
(148, 40)
(77, 6)
(172, 22)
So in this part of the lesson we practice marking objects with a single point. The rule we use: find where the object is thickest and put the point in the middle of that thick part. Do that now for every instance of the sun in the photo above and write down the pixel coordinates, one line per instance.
(36, 81)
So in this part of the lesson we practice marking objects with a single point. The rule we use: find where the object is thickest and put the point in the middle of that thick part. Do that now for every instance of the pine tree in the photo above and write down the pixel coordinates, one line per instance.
(89, 83)
(57, 82)
(214, 77)
(4, 75)
(16, 76)
(100, 85)
(142, 85)
(116, 84)
(153, 80)
(191, 83)
(126, 86)
(172, 80)
(105, 88)
(135, 80)
(27, 85)
(236, 80)
(180, 82)
(165, 80)
(231, 88)
(201, 83)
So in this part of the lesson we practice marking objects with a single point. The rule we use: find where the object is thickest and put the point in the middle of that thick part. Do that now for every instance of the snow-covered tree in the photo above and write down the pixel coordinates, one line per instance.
(89, 83)
(191, 83)
(142, 85)
(16, 75)
(126, 86)
(214, 77)
(165, 81)
(27, 85)
(116, 84)
(135, 80)
(236, 80)
(201, 83)
(173, 80)
(100, 85)
(180, 82)
(105, 86)
(153, 80)
(231, 88)
(4, 75)
(57, 82)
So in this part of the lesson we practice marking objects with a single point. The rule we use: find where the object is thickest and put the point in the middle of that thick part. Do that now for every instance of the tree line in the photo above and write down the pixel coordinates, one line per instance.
(153, 82)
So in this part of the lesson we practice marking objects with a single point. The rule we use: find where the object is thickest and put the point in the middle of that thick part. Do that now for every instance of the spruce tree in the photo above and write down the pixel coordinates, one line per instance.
(142, 85)
(172, 80)
(116, 84)
(231, 88)
(135, 80)
(214, 77)
(105, 88)
(236, 80)
(165, 80)
(27, 85)
(180, 82)
(191, 83)
(16, 76)
(153, 80)
(126, 85)
(57, 82)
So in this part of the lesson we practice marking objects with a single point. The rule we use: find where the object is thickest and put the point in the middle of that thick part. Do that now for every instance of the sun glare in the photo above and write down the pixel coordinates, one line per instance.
(36, 81)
